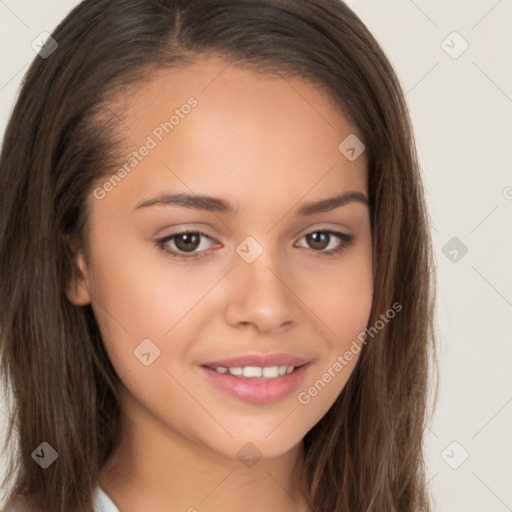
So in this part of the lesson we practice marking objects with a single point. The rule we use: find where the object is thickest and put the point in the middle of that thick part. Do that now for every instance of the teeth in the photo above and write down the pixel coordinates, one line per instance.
(271, 372)
(251, 371)
(267, 372)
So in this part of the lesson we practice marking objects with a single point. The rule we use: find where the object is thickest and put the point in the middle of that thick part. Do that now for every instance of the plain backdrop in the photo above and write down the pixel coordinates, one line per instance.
(459, 90)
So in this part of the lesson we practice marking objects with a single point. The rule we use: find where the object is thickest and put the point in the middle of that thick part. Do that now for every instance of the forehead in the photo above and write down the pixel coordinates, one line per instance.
(219, 128)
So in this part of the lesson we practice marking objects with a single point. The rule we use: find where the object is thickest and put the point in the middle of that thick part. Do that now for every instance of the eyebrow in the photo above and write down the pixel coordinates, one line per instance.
(215, 204)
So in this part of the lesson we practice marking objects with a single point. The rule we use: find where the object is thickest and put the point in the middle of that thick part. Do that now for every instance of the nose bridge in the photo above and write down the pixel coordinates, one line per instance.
(261, 294)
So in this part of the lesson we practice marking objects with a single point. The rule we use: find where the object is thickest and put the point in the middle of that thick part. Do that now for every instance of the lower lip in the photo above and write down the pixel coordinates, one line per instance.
(256, 390)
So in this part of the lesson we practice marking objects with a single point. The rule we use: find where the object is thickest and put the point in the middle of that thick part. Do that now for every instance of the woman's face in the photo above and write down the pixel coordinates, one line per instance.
(244, 159)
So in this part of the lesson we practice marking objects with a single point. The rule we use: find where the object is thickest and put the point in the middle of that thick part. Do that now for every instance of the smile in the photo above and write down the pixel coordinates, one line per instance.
(256, 378)
(266, 372)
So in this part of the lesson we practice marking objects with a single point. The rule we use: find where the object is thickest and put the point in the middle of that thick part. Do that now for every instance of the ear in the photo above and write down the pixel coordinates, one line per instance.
(78, 289)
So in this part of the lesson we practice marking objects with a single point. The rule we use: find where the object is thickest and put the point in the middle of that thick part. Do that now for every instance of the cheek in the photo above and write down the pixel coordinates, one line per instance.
(137, 292)
(342, 298)
(144, 297)
(344, 309)
(346, 312)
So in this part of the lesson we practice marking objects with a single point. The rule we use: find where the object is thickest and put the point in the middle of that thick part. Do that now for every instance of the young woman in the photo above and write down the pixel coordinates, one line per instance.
(217, 280)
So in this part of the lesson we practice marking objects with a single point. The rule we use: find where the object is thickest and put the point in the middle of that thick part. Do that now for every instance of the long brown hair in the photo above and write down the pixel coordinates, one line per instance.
(366, 453)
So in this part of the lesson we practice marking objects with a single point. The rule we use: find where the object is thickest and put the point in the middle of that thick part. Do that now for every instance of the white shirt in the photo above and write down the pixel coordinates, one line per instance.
(102, 503)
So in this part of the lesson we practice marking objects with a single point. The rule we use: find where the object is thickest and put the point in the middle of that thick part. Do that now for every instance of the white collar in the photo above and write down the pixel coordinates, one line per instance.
(102, 503)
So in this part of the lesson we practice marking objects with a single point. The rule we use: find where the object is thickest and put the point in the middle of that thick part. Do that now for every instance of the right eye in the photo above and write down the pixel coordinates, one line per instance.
(184, 244)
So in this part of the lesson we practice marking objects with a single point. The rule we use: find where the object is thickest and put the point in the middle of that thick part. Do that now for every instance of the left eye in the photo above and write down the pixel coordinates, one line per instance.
(322, 241)
(189, 244)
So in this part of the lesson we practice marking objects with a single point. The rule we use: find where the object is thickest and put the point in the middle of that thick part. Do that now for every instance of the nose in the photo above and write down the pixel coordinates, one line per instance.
(261, 295)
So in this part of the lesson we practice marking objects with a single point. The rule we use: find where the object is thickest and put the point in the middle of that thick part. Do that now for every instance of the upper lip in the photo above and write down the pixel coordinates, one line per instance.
(274, 359)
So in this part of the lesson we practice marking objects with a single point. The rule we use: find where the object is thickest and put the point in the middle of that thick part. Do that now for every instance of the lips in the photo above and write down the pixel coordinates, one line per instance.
(257, 378)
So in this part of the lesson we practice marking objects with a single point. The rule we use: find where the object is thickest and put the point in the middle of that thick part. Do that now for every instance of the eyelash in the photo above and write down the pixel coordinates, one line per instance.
(161, 244)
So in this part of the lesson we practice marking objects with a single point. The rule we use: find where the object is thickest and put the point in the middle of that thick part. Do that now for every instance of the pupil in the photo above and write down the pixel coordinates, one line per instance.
(318, 240)
(187, 242)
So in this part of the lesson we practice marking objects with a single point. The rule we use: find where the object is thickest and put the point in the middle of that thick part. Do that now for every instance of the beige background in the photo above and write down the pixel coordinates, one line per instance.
(461, 109)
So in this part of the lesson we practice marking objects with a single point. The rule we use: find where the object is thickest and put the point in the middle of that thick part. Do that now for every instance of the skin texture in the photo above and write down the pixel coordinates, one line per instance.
(267, 146)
